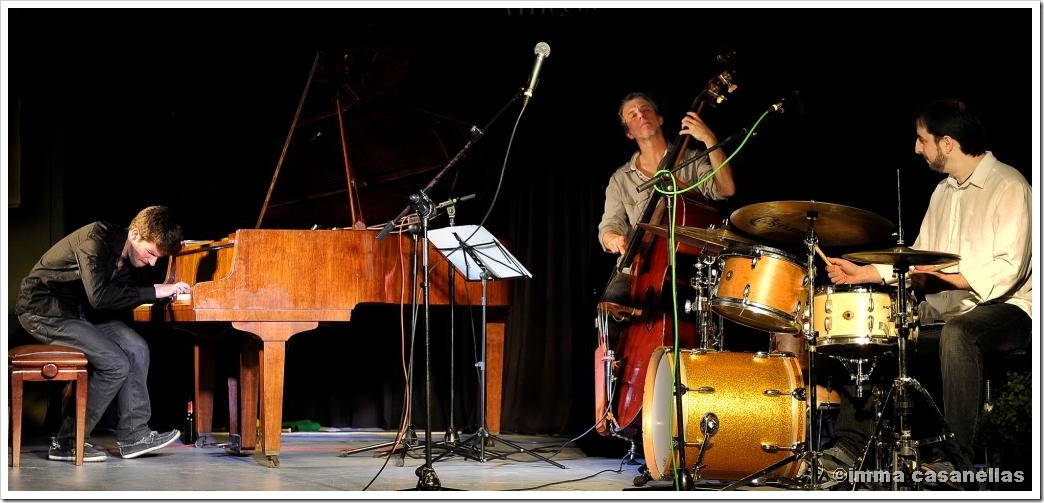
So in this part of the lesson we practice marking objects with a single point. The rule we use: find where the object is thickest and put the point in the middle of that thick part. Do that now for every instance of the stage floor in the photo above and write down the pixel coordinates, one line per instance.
(319, 464)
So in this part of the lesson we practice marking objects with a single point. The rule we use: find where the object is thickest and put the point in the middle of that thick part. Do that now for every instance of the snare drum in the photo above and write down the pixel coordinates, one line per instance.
(761, 287)
(854, 319)
(760, 421)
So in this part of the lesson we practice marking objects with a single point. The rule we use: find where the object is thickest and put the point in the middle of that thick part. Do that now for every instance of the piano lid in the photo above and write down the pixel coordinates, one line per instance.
(356, 127)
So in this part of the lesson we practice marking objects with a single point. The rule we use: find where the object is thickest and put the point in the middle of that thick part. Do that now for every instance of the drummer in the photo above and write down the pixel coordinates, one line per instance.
(624, 204)
(981, 212)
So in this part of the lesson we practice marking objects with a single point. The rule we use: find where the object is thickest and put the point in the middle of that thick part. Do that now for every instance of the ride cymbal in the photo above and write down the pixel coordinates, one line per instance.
(834, 224)
(903, 256)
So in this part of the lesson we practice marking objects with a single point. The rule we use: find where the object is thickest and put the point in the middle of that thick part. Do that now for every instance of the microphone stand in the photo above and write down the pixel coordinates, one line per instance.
(662, 177)
(421, 203)
(452, 436)
(451, 430)
(409, 437)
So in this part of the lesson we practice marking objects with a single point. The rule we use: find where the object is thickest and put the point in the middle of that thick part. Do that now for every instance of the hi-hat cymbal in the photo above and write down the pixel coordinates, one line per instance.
(696, 236)
(834, 224)
(903, 256)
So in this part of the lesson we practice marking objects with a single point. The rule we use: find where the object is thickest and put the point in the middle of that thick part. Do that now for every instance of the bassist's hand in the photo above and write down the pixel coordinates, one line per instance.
(615, 243)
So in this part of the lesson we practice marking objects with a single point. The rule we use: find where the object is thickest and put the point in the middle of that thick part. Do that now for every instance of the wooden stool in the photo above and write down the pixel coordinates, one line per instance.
(47, 362)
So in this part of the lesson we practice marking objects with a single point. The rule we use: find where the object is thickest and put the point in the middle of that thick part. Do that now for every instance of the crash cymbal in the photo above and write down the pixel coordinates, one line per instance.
(903, 256)
(788, 221)
(696, 236)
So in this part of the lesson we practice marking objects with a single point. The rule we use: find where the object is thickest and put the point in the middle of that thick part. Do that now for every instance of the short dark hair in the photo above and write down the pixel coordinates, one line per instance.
(156, 225)
(632, 96)
(954, 118)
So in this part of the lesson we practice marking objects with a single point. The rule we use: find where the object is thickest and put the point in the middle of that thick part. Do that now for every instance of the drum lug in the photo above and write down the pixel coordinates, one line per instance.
(800, 394)
(795, 393)
(770, 448)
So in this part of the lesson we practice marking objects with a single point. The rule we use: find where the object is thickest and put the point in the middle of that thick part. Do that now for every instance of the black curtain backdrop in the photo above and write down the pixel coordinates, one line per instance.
(193, 112)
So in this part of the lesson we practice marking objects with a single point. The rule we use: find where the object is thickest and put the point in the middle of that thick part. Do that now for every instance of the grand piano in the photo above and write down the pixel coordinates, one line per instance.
(275, 283)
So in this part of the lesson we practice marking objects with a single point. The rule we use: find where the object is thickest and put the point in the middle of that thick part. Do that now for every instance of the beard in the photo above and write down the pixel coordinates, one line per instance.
(938, 164)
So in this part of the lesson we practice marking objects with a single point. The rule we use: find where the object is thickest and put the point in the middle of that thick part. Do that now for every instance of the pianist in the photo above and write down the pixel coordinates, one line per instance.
(73, 296)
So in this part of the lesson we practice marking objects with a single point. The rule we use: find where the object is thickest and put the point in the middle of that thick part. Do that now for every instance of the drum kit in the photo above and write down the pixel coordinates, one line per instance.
(721, 416)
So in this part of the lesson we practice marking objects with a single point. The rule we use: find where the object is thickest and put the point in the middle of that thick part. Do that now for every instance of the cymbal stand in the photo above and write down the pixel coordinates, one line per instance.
(807, 452)
(904, 452)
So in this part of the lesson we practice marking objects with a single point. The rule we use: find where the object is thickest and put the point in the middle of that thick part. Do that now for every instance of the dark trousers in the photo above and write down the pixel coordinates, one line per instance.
(962, 344)
(119, 362)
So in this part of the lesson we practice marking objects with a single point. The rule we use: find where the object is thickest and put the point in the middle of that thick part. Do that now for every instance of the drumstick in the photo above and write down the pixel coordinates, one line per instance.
(892, 281)
(822, 255)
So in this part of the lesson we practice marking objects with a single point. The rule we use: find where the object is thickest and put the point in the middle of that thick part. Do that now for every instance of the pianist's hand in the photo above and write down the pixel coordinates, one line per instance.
(171, 289)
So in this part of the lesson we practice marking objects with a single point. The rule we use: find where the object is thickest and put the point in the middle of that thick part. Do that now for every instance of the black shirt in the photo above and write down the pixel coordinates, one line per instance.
(78, 276)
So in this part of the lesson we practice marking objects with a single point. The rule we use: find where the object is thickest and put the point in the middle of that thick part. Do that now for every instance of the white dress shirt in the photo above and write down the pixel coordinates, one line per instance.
(987, 221)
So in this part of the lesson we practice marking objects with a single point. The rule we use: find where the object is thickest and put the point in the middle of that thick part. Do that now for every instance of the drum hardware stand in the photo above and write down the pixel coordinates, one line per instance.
(710, 333)
(859, 378)
(709, 425)
(904, 454)
(808, 451)
(685, 480)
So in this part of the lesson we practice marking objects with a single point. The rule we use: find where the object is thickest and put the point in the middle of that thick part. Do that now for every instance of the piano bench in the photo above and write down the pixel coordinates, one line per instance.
(42, 363)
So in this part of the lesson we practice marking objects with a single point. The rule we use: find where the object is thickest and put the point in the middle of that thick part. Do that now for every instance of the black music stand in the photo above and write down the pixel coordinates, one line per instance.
(479, 256)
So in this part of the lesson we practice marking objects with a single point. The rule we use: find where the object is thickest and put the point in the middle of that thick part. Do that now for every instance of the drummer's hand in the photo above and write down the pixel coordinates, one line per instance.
(842, 272)
(924, 281)
(694, 126)
(615, 243)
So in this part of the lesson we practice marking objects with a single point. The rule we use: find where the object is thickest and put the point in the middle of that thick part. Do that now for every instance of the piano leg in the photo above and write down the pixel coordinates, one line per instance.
(494, 374)
(273, 335)
(204, 362)
(204, 343)
(249, 377)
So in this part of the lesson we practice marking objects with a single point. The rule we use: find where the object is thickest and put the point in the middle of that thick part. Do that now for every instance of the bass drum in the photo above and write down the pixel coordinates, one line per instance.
(760, 420)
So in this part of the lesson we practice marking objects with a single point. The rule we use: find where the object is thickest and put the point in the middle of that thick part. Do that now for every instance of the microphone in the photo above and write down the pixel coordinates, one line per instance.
(455, 200)
(791, 103)
(542, 51)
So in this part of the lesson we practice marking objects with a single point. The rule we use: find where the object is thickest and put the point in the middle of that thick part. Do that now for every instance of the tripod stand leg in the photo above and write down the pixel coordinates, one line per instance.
(405, 446)
(482, 437)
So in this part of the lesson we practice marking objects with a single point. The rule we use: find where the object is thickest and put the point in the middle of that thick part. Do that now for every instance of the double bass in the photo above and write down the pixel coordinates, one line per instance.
(649, 256)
